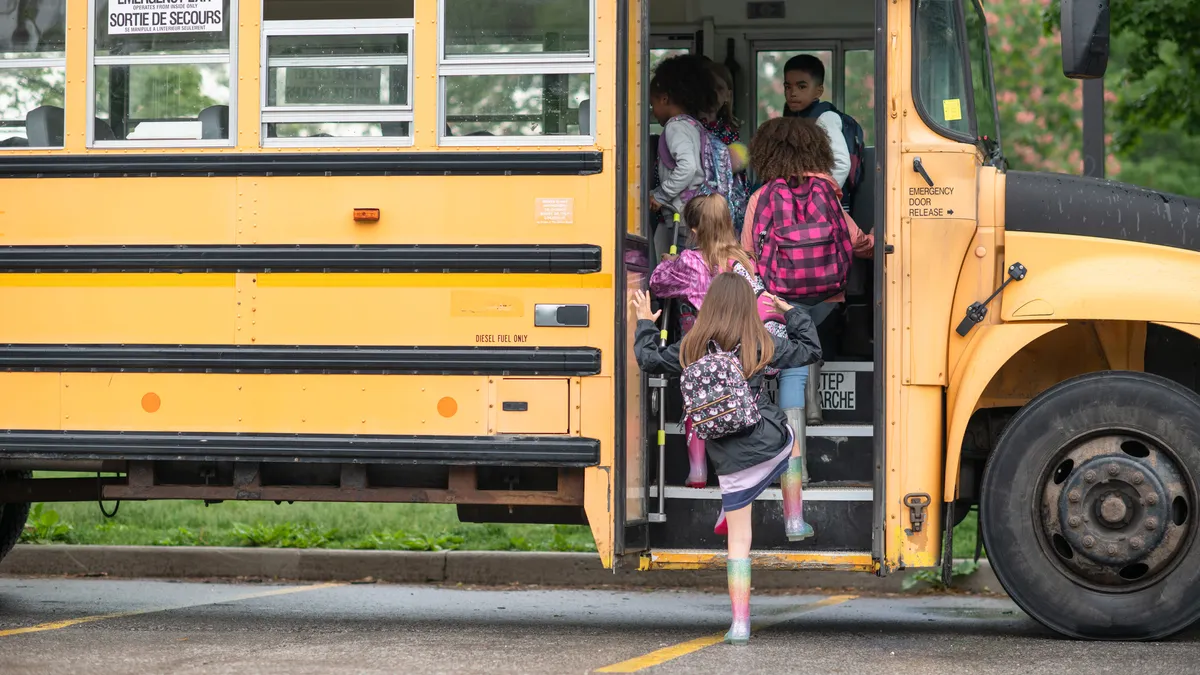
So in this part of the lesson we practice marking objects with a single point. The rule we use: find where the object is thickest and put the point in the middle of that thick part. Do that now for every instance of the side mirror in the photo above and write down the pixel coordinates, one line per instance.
(1085, 25)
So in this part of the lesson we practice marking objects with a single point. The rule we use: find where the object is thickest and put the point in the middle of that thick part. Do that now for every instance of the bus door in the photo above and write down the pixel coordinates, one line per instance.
(842, 499)
(631, 502)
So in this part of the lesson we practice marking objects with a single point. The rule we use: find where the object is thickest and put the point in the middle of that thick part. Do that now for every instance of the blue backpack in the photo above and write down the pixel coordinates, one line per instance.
(856, 145)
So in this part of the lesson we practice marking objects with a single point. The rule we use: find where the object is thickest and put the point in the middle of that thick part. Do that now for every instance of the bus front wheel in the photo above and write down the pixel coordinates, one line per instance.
(1089, 507)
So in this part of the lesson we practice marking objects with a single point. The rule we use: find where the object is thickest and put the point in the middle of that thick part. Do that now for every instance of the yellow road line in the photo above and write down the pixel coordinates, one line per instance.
(67, 623)
(661, 656)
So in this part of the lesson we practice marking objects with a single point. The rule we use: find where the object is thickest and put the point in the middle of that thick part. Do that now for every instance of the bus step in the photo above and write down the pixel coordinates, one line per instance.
(699, 559)
(841, 517)
(836, 453)
(822, 431)
(811, 494)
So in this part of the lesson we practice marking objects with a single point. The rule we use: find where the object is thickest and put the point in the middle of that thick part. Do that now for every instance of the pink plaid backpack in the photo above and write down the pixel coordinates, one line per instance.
(804, 248)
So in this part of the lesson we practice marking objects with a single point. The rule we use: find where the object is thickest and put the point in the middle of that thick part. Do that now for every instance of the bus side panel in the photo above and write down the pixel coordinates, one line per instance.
(120, 211)
(426, 210)
(118, 308)
(484, 310)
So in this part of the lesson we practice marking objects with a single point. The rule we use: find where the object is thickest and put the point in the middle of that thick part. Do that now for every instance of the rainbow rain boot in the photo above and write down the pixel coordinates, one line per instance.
(793, 501)
(739, 599)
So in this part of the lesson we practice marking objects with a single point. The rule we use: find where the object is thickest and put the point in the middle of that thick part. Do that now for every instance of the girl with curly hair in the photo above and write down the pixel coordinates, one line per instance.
(786, 152)
(680, 91)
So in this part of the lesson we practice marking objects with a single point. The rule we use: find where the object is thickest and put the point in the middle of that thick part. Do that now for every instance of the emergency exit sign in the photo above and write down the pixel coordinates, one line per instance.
(766, 10)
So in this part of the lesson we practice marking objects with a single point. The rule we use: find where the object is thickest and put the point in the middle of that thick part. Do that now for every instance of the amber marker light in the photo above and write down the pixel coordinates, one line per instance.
(366, 215)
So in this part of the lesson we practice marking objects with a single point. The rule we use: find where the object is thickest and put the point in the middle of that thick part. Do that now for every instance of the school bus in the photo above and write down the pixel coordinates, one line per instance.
(380, 251)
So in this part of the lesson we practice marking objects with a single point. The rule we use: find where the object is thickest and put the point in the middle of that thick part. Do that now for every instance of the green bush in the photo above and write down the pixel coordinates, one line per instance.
(45, 526)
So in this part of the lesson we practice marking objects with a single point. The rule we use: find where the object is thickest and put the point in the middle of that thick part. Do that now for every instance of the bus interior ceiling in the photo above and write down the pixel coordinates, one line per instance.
(838, 498)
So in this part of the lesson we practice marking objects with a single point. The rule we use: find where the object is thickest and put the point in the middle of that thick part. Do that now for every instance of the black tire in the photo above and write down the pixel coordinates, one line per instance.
(12, 520)
(1013, 506)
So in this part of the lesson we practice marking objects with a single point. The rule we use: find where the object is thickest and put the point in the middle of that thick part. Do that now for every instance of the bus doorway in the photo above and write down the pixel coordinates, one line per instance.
(841, 498)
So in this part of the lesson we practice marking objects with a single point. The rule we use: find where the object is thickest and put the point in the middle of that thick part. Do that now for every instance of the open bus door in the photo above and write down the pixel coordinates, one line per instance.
(631, 501)
(656, 516)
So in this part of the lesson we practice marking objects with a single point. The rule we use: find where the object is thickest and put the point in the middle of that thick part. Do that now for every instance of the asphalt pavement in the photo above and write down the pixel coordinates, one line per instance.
(78, 626)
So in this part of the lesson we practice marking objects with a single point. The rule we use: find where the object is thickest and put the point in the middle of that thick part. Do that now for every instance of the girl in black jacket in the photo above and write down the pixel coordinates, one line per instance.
(748, 461)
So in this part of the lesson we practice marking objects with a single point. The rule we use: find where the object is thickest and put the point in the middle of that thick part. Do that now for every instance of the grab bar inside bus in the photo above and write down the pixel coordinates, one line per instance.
(660, 516)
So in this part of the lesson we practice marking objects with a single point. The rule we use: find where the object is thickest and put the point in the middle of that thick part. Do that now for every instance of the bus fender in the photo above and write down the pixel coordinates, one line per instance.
(987, 353)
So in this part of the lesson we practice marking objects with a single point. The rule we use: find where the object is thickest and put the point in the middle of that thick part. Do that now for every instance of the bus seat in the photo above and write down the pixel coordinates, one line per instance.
(15, 142)
(44, 126)
(214, 123)
(103, 132)
(863, 211)
(585, 117)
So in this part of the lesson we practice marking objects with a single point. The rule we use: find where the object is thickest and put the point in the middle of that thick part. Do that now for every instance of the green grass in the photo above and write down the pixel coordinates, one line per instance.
(419, 527)
(300, 525)
(304, 525)
(964, 537)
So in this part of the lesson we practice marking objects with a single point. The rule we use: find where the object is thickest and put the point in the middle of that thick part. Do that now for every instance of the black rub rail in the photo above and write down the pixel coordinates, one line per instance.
(409, 258)
(305, 164)
(542, 361)
(549, 451)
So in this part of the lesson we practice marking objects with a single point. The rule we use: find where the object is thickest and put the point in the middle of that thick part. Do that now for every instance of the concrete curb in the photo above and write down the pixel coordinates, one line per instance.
(484, 568)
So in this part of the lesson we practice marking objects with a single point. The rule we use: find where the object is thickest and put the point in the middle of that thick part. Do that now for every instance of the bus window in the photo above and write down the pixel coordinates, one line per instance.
(516, 105)
(858, 95)
(516, 28)
(33, 73)
(162, 77)
(941, 81)
(343, 78)
(657, 56)
(981, 74)
(519, 70)
(770, 65)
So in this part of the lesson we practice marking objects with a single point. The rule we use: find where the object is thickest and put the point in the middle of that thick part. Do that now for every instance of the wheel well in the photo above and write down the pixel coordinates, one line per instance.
(1173, 354)
(1076, 349)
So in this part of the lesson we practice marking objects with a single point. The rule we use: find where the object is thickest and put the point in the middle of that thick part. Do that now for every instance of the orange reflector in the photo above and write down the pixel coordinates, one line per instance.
(366, 215)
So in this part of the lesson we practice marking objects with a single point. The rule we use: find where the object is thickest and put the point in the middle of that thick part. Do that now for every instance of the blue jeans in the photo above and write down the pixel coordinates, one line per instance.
(793, 380)
(791, 387)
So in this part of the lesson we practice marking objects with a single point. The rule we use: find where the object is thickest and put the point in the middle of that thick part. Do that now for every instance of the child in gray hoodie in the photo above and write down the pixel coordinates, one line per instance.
(681, 89)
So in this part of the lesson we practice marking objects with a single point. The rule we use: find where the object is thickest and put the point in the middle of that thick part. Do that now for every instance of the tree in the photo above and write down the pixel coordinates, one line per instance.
(1160, 60)
(1041, 110)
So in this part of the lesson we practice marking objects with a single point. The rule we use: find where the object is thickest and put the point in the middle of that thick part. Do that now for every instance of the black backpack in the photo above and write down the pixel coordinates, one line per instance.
(855, 143)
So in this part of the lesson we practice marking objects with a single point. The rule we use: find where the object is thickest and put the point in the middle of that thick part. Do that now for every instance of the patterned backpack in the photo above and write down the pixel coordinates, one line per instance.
(804, 248)
(716, 397)
(715, 163)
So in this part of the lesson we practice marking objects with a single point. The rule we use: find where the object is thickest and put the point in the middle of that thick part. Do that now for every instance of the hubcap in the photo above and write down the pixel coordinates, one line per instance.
(1115, 510)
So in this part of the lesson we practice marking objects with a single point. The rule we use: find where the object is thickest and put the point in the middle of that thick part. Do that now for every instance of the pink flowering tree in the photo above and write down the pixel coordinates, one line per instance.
(1041, 114)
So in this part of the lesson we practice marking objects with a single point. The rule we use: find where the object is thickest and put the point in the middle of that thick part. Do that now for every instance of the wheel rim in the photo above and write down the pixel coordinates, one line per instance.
(1116, 511)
